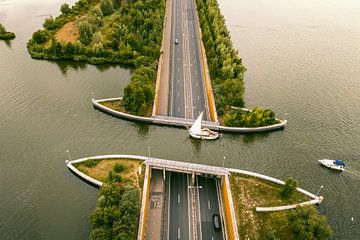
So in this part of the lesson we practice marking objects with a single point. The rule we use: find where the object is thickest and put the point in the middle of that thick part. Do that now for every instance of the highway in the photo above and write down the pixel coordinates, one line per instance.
(179, 224)
(187, 98)
(209, 205)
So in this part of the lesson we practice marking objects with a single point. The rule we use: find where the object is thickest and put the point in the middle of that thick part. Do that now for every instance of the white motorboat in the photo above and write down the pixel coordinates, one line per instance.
(196, 131)
(333, 164)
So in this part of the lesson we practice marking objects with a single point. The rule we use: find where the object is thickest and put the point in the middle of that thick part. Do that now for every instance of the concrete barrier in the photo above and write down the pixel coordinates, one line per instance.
(181, 122)
(230, 219)
(318, 200)
(144, 205)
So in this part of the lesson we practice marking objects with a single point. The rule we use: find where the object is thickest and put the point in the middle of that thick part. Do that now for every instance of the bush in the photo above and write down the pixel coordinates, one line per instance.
(106, 7)
(40, 36)
(113, 178)
(7, 36)
(51, 23)
(65, 9)
(257, 117)
(306, 223)
(290, 186)
(118, 168)
(91, 163)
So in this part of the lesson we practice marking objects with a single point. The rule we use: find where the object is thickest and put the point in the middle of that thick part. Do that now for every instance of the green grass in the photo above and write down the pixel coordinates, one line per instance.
(249, 193)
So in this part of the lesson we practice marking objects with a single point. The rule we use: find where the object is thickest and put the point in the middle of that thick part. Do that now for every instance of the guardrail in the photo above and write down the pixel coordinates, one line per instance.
(144, 205)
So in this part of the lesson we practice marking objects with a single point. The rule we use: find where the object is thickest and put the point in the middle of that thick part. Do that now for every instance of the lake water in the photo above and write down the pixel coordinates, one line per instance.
(303, 60)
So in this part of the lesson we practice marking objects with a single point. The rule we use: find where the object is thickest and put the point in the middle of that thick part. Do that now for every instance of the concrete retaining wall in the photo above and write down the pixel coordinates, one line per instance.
(144, 205)
(175, 122)
(287, 207)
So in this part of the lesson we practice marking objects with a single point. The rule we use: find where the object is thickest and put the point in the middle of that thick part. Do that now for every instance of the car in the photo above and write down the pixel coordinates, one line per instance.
(216, 220)
(176, 41)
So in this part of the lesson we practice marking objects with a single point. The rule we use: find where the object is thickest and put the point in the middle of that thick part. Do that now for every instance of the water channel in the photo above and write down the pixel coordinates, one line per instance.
(302, 59)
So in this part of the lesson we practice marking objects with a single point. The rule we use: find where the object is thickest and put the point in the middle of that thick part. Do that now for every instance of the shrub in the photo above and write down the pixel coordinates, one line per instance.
(91, 163)
(40, 36)
(106, 7)
(113, 178)
(51, 23)
(65, 9)
(118, 167)
(290, 186)
(306, 223)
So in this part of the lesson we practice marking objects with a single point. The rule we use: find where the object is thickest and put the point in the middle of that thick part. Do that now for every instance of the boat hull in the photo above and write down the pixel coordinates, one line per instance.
(330, 164)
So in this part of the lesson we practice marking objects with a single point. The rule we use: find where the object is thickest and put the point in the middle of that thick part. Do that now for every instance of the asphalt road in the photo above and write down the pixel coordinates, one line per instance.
(179, 224)
(187, 89)
(209, 205)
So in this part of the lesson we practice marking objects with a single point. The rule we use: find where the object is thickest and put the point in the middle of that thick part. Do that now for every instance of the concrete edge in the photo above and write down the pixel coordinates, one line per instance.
(97, 104)
(142, 221)
(82, 175)
(318, 200)
(231, 204)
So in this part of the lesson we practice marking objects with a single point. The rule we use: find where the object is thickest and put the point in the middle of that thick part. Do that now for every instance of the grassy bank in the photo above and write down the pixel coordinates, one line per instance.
(249, 193)
(118, 209)
(108, 31)
(118, 105)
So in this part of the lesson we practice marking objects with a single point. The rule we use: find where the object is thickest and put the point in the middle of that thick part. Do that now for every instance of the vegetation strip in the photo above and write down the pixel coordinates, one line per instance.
(108, 31)
(227, 71)
(300, 223)
(5, 35)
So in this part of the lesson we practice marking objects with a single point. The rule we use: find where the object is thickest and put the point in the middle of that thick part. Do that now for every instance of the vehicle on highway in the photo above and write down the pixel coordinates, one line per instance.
(216, 220)
(196, 131)
(176, 41)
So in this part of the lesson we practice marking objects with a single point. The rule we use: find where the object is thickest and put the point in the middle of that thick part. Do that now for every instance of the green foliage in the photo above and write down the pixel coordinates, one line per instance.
(65, 9)
(130, 34)
(306, 224)
(85, 32)
(91, 163)
(271, 235)
(51, 23)
(113, 177)
(226, 69)
(117, 213)
(39, 36)
(107, 7)
(290, 186)
(257, 117)
(118, 168)
(2, 29)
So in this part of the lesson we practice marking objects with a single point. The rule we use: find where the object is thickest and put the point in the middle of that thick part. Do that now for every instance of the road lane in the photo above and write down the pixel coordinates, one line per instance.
(179, 223)
(209, 205)
(187, 98)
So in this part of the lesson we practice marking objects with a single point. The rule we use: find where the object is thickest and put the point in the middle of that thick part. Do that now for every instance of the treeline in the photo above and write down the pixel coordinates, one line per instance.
(5, 35)
(256, 117)
(226, 70)
(225, 66)
(117, 213)
(109, 31)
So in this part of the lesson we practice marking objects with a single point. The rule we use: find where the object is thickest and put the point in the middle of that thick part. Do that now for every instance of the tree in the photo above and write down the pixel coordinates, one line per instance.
(86, 32)
(51, 23)
(39, 37)
(306, 224)
(290, 185)
(2, 29)
(107, 7)
(65, 9)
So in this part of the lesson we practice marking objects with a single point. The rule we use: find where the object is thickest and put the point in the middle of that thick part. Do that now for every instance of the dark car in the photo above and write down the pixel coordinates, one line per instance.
(217, 225)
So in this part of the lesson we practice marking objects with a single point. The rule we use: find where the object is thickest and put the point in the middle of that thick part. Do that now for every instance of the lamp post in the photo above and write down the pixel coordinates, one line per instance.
(68, 153)
(149, 151)
(321, 187)
(223, 163)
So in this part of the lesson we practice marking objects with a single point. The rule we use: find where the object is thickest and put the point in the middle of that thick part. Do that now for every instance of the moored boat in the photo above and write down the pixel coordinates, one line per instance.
(196, 131)
(333, 164)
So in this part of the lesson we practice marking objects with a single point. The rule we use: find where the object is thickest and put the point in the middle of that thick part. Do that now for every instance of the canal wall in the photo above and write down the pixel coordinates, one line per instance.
(181, 122)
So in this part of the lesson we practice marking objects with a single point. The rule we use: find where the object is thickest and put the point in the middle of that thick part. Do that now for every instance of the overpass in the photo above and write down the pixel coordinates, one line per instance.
(180, 200)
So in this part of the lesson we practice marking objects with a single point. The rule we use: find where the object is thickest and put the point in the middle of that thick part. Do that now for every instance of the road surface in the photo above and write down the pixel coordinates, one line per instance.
(187, 97)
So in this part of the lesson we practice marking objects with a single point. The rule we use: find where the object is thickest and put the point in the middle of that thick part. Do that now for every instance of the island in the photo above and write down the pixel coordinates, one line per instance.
(132, 33)
(5, 35)
(264, 207)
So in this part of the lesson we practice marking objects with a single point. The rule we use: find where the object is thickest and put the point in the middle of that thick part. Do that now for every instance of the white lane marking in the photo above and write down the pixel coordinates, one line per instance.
(178, 109)
(196, 84)
(198, 98)
(178, 198)
(178, 94)
(178, 69)
(212, 237)
(178, 233)
(178, 81)
(209, 205)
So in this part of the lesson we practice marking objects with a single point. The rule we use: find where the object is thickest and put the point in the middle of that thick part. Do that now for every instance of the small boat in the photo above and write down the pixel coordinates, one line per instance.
(202, 133)
(333, 164)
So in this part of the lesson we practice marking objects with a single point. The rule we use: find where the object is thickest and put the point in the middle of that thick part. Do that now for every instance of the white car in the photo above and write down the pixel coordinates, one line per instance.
(176, 41)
